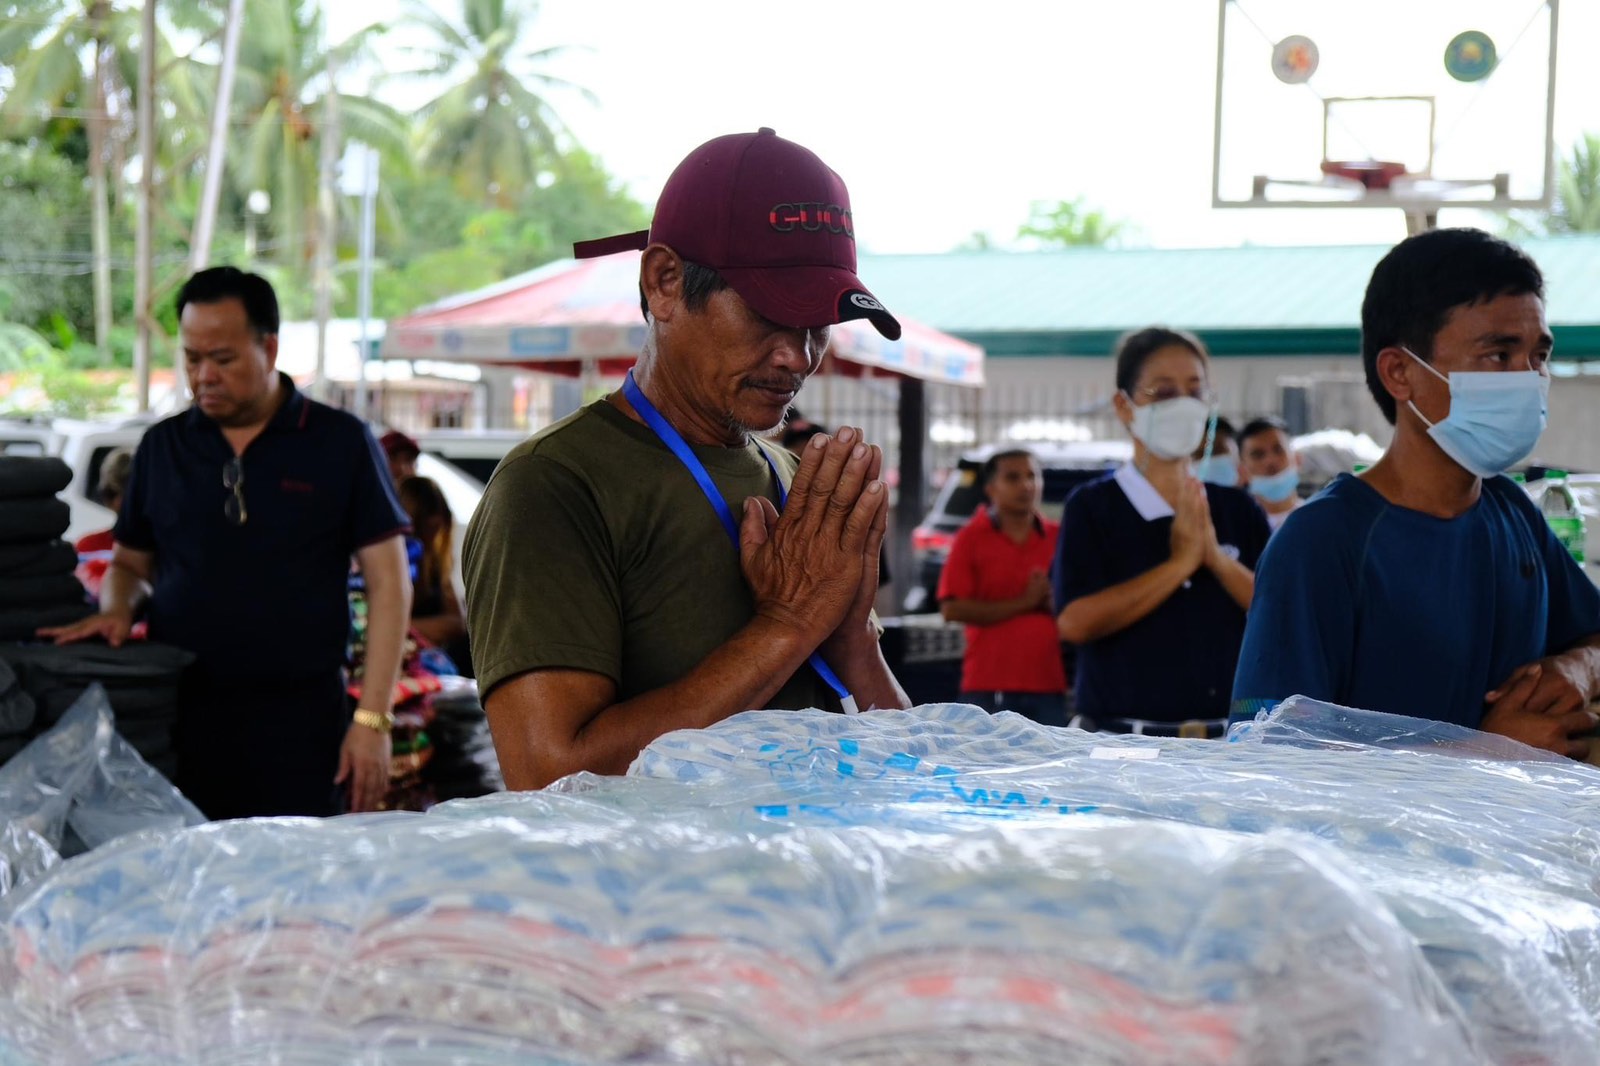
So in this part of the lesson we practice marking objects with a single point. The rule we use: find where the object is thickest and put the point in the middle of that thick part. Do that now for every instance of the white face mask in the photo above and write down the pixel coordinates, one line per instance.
(1171, 429)
(1495, 419)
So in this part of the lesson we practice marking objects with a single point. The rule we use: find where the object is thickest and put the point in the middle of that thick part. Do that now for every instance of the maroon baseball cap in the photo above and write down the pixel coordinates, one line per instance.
(396, 443)
(773, 220)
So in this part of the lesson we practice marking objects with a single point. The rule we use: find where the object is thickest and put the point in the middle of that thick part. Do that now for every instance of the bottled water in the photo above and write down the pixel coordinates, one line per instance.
(1560, 509)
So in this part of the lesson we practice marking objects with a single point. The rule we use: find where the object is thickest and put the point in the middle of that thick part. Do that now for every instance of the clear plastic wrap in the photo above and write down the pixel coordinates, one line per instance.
(78, 786)
(936, 886)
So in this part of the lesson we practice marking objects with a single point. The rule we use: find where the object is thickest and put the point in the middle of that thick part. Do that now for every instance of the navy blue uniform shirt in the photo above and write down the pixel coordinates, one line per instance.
(1177, 662)
(1365, 604)
(266, 599)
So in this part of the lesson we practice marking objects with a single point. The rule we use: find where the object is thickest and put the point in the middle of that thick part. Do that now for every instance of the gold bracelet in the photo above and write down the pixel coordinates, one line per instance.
(382, 721)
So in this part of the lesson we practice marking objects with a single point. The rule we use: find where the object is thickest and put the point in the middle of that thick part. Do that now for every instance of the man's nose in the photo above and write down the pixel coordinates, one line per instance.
(800, 350)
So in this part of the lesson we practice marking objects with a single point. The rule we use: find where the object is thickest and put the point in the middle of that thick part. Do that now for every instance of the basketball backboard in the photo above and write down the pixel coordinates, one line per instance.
(1416, 104)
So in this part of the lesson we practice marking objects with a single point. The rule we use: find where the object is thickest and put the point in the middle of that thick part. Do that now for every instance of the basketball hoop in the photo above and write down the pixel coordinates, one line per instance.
(1370, 174)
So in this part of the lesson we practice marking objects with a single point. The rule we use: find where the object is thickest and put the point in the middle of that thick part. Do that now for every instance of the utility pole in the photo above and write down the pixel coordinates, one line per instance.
(217, 152)
(328, 222)
(99, 185)
(143, 265)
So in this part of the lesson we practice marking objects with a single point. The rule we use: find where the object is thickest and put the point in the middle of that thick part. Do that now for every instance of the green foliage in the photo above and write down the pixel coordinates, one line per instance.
(39, 370)
(1070, 223)
(490, 126)
(1577, 206)
(478, 188)
(21, 348)
(1577, 202)
(44, 237)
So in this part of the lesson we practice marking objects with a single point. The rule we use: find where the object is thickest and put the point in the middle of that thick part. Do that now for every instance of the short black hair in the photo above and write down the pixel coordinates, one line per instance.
(1224, 428)
(1134, 348)
(991, 465)
(1422, 279)
(1264, 424)
(215, 284)
(699, 282)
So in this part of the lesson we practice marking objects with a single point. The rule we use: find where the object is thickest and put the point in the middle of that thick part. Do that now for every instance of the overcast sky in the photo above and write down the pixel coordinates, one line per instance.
(948, 117)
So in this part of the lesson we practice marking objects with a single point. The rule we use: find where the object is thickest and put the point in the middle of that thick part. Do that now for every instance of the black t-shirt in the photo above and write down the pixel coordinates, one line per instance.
(1178, 661)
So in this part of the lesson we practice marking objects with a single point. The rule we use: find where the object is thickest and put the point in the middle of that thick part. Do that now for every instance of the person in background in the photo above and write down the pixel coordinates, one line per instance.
(402, 453)
(1266, 452)
(114, 470)
(95, 550)
(1220, 465)
(235, 536)
(1154, 568)
(1431, 585)
(997, 582)
(437, 614)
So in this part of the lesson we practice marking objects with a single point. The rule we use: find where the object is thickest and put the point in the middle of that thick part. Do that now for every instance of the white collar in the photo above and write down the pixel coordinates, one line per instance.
(1143, 495)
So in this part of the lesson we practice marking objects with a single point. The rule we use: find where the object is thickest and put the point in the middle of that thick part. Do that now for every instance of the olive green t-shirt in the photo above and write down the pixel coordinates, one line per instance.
(594, 549)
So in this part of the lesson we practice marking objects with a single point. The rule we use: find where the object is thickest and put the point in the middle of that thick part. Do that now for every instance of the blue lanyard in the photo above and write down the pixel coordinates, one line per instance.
(691, 462)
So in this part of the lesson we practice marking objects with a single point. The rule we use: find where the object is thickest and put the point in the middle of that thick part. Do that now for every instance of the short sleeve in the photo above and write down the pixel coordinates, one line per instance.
(375, 511)
(1300, 632)
(133, 528)
(959, 579)
(1079, 565)
(543, 590)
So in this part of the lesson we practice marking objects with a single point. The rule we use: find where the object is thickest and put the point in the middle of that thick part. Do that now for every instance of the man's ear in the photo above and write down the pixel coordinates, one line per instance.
(661, 279)
(269, 344)
(1394, 366)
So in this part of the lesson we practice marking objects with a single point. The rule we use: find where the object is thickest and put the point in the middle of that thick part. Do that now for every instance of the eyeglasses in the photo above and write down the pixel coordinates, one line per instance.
(233, 508)
(1162, 393)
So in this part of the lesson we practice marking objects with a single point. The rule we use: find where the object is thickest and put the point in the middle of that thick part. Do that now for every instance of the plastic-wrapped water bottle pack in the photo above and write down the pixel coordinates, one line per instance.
(933, 886)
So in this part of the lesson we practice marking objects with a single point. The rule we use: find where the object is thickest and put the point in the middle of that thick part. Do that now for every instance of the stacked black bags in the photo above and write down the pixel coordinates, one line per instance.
(140, 679)
(464, 764)
(37, 586)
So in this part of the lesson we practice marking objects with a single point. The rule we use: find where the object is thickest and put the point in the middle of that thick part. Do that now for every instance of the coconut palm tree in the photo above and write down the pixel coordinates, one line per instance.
(280, 107)
(1577, 206)
(492, 125)
(79, 59)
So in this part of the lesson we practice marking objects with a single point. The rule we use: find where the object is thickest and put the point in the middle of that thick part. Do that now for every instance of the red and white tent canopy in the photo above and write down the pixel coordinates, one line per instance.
(572, 312)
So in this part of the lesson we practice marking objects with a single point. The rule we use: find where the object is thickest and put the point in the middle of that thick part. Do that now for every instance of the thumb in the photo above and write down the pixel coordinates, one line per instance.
(1531, 671)
(753, 524)
(344, 766)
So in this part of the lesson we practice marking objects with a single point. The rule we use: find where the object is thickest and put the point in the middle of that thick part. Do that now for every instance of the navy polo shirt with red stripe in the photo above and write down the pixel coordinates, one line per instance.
(267, 599)
(1022, 653)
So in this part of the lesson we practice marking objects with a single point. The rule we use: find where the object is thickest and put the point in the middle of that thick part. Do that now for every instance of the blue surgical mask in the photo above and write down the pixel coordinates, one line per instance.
(1495, 420)
(1218, 470)
(1275, 488)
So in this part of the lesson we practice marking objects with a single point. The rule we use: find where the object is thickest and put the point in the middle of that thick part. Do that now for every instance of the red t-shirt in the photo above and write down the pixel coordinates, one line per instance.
(1021, 654)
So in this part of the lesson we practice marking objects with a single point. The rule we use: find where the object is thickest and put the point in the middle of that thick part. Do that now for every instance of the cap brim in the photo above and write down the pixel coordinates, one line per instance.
(623, 242)
(805, 297)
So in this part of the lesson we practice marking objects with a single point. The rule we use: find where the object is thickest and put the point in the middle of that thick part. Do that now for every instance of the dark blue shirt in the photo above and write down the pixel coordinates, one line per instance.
(266, 599)
(1177, 662)
(1366, 604)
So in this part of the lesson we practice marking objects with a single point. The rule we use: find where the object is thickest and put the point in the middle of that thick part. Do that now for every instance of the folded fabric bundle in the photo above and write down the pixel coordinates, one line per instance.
(27, 476)
(141, 660)
(16, 706)
(23, 623)
(37, 558)
(130, 703)
(33, 520)
(49, 588)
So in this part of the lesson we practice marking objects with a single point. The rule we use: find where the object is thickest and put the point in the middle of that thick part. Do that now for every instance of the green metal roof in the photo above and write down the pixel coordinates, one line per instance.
(1242, 301)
